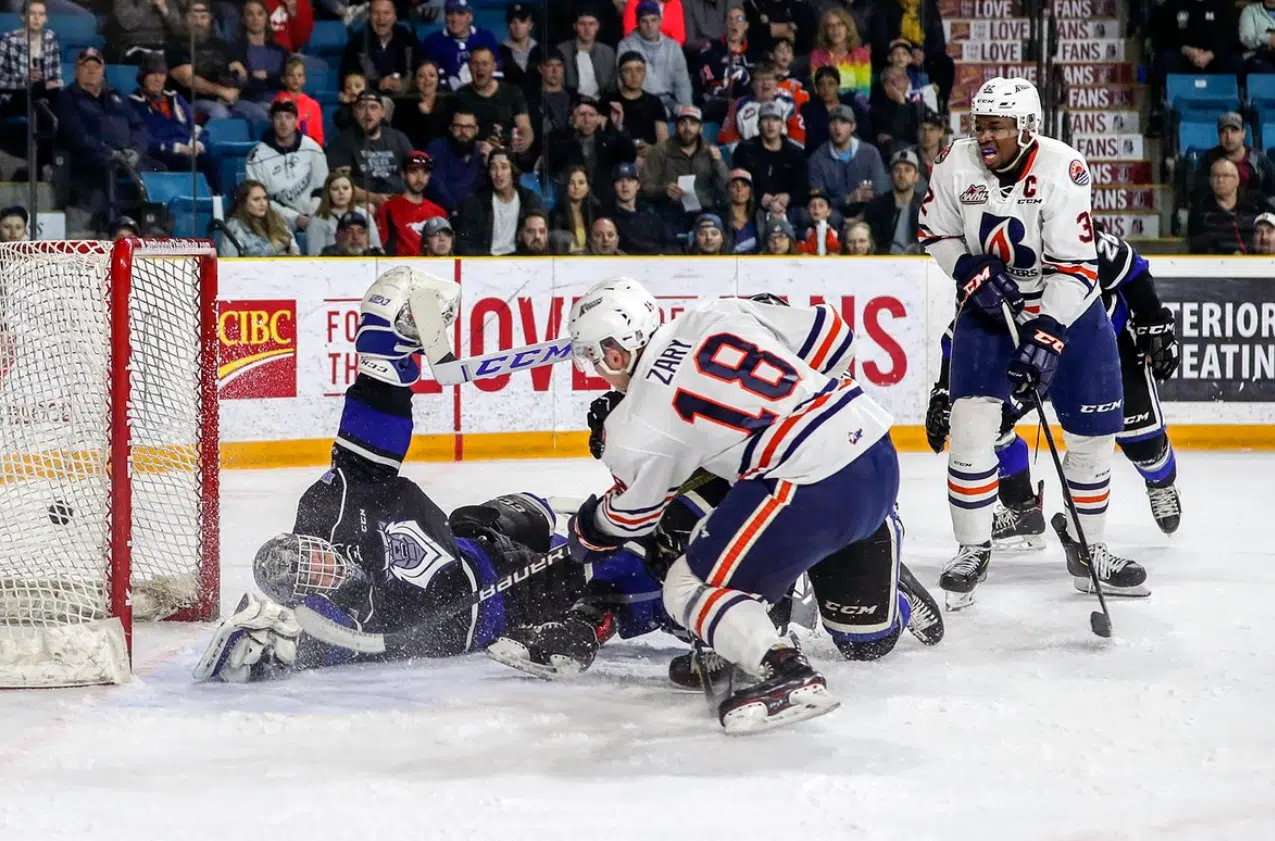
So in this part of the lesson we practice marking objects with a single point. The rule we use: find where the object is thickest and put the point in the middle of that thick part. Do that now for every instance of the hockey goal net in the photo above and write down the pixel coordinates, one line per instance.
(108, 451)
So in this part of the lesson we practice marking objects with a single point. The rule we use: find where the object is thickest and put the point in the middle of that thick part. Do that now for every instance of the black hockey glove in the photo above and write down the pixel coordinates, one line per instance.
(938, 418)
(587, 543)
(983, 284)
(599, 409)
(1156, 340)
(1036, 360)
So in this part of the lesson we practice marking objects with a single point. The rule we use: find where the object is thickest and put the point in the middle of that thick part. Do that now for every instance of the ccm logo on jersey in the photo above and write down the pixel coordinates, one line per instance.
(1079, 173)
(850, 609)
(1099, 408)
(974, 194)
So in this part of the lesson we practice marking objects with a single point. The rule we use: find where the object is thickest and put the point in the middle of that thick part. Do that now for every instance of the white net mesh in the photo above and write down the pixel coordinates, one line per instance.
(56, 396)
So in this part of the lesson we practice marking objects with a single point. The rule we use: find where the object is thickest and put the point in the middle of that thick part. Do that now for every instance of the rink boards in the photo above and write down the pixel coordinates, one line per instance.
(286, 330)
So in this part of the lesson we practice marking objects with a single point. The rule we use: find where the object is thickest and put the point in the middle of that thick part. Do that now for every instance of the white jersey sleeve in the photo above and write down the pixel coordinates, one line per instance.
(1069, 260)
(941, 224)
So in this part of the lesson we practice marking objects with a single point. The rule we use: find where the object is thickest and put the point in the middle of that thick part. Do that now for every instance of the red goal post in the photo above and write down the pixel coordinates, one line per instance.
(108, 451)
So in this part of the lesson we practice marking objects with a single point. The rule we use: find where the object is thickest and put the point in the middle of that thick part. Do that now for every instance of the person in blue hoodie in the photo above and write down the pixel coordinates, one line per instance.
(451, 46)
(173, 137)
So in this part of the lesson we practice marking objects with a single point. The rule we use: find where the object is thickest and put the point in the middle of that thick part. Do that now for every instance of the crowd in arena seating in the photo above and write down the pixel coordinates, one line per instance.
(612, 127)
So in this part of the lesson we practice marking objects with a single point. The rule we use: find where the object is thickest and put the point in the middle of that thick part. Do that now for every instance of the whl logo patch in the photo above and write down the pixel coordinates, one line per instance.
(974, 194)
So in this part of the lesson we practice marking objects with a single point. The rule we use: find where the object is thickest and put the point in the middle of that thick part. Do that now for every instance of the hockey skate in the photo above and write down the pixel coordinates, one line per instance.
(1166, 505)
(790, 691)
(1119, 576)
(685, 670)
(965, 572)
(926, 623)
(557, 649)
(1020, 527)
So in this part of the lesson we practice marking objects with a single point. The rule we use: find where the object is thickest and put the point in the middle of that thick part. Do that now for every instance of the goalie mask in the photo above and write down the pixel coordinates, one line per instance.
(290, 566)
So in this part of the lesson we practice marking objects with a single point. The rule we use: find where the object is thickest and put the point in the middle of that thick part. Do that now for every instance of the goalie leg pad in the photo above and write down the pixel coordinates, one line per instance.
(256, 642)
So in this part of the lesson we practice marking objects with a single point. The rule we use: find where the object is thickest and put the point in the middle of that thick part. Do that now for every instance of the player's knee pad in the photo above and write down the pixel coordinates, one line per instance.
(522, 517)
(1148, 451)
(975, 426)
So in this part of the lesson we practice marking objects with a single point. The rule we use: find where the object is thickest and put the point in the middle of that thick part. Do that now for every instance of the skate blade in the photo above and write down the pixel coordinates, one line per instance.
(807, 702)
(1020, 543)
(1085, 585)
(514, 654)
(958, 601)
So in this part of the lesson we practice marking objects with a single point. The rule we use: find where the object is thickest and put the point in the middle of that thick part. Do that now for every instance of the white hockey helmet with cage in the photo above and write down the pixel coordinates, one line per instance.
(1016, 99)
(618, 313)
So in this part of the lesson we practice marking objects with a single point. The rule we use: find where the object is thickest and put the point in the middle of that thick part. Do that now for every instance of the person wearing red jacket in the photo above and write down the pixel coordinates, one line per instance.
(821, 237)
(401, 219)
(673, 23)
(291, 21)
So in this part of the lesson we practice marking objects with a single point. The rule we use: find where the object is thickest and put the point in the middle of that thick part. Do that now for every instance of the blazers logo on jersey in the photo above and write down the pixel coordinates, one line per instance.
(1002, 236)
(1078, 173)
(974, 194)
(411, 555)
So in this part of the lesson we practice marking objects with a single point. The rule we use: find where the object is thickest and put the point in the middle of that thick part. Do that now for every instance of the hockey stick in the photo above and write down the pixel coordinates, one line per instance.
(397, 642)
(1099, 621)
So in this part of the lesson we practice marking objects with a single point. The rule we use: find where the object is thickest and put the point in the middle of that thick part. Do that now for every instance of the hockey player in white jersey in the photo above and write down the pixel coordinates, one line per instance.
(1008, 216)
(748, 391)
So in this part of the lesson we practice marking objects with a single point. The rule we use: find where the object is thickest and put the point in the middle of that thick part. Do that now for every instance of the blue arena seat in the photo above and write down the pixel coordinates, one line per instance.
(10, 21)
(78, 31)
(1197, 134)
(164, 187)
(1206, 92)
(122, 77)
(328, 38)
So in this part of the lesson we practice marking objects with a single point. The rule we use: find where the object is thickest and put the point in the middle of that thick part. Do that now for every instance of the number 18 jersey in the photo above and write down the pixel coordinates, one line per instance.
(744, 390)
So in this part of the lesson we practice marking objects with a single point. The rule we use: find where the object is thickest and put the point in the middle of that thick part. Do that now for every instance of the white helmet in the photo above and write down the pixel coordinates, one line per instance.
(1014, 98)
(617, 312)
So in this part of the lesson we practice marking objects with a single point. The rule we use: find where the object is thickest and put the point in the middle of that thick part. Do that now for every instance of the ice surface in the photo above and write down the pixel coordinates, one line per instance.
(1021, 725)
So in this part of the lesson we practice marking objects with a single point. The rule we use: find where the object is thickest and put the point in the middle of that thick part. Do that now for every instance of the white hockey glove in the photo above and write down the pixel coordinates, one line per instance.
(257, 641)
(404, 312)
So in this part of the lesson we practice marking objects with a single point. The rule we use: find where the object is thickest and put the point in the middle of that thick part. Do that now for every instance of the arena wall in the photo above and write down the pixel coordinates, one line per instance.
(287, 326)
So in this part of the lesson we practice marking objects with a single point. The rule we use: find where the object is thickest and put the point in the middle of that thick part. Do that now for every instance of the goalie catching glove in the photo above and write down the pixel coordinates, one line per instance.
(255, 643)
(403, 312)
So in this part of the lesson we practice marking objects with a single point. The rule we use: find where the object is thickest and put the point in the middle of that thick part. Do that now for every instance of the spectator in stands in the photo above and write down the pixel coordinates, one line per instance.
(520, 55)
(895, 118)
(383, 51)
(459, 160)
(533, 235)
(575, 211)
(501, 108)
(338, 200)
(666, 73)
(631, 109)
(642, 231)
(291, 166)
(779, 238)
(589, 63)
(1264, 234)
(778, 166)
(821, 236)
(549, 108)
(841, 47)
(352, 85)
(260, 55)
(892, 216)
(743, 121)
(13, 224)
(709, 236)
(858, 239)
(426, 117)
(402, 218)
(847, 168)
(212, 76)
(709, 20)
(291, 23)
(771, 19)
(672, 19)
(490, 217)
(590, 144)
(454, 46)
(742, 217)
(373, 152)
(827, 97)
(437, 238)
(352, 238)
(687, 153)
(1257, 34)
(1191, 36)
(784, 58)
(309, 113)
(137, 27)
(604, 238)
(173, 138)
(929, 143)
(23, 74)
(1257, 173)
(254, 229)
(921, 23)
(1222, 222)
(123, 228)
(723, 68)
(911, 61)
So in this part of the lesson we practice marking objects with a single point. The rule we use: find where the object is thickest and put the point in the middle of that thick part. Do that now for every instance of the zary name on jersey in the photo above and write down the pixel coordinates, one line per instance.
(666, 365)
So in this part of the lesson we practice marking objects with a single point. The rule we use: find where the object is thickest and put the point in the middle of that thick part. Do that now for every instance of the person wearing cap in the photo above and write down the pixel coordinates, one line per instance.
(708, 236)
(123, 228)
(781, 177)
(671, 14)
(744, 220)
(685, 153)
(642, 231)
(743, 120)
(489, 219)
(821, 237)
(921, 22)
(1222, 221)
(631, 109)
(666, 73)
(911, 61)
(589, 64)
(20, 77)
(722, 70)
(503, 118)
(13, 223)
(352, 238)
(893, 216)
(520, 55)
(383, 51)
(454, 44)
(437, 238)
(1257, 174)
(845, 167)
(211, 76)
(401, 219)
(373, 152)
(590, 143)
(895, 118)
(173, 137)
(291, 165)
(930, 135)
(1264, 234)
(778, 237)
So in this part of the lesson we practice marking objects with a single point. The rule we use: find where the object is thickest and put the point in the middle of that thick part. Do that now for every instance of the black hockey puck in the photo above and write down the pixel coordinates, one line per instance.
(59, 512)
